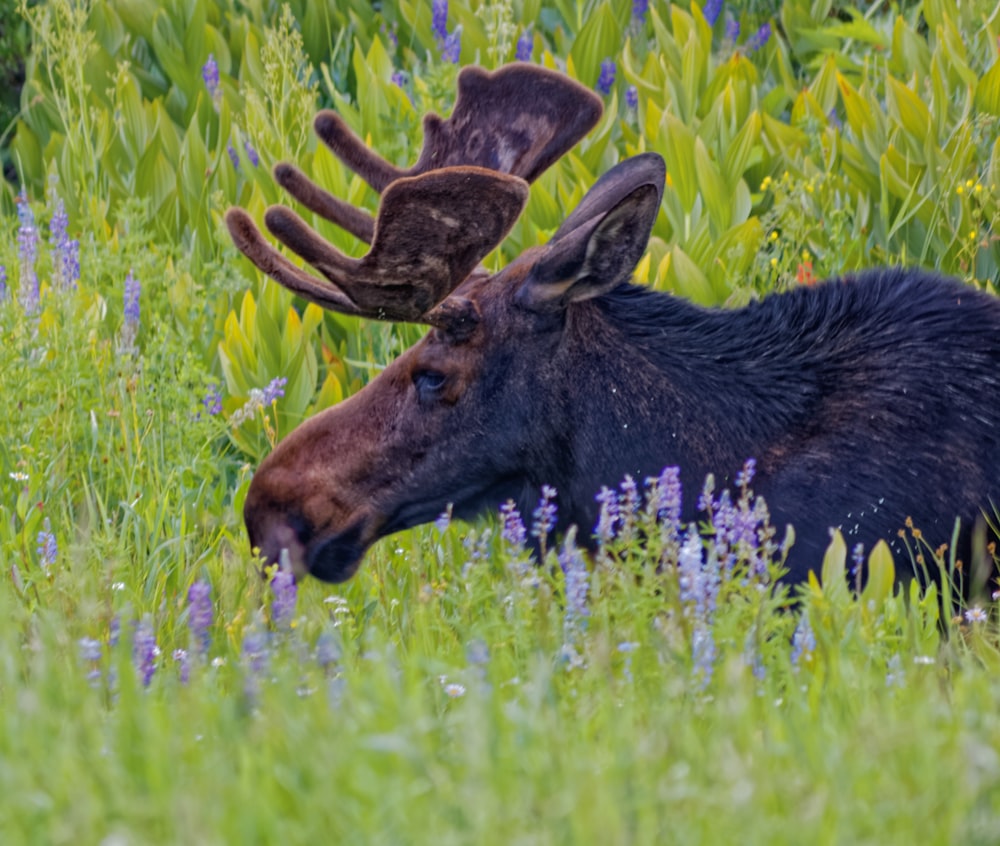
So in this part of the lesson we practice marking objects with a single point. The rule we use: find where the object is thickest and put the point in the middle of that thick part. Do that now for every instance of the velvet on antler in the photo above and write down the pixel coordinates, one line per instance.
(519, 120)
(431, 232)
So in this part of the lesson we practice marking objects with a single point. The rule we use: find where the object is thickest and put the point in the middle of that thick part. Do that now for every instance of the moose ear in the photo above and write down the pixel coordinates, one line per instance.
(595, 256)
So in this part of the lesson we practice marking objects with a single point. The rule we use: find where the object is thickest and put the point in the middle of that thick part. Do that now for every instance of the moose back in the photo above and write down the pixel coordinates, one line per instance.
(865, 400)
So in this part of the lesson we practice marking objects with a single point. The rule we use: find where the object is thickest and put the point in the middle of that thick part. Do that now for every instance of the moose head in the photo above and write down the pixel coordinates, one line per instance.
(557, 371)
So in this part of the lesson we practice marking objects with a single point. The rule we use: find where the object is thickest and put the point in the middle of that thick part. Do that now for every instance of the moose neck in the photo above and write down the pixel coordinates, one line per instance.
(654, 381)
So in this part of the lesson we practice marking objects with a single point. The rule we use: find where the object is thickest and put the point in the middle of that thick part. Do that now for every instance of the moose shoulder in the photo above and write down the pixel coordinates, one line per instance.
(864, 400)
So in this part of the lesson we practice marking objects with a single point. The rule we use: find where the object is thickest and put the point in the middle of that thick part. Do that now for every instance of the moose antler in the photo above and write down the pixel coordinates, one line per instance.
(441, 217)
(432, 231)
(519, 120)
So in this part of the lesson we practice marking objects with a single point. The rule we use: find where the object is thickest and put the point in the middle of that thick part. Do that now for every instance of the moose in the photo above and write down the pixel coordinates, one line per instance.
(865, 400)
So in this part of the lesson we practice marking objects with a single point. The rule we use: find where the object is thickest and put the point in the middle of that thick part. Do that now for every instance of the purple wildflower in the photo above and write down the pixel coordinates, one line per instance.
(399, 78)
(233, 155)
(145, 651)
(525, 45)
(66, 250)
(256, 661)
(756, 41)
(639, 10)
(329, 649)
(607, 78)
(439, 20)
(90, 654)
(628, 507)
(608, 517)
(200, 615)
(443, 520)
(699, 589)
(275, 389)
(576, 582)
(133, 289)
(833, 119)
(632, 97)
(48, 549)
(451, 47)
(252, 154)
(183, 665)
(284, 594)
(114, 631)
(732, 30)
(666, 497)
(3, 283)
(27, 252)
(803, 641)
(745, 476)
(213, 400)
(544, 516)
(210, 73)
(711, 11)
(512, 531)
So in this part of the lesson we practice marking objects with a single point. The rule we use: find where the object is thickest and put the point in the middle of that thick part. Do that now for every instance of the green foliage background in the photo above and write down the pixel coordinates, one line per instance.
(850, 137)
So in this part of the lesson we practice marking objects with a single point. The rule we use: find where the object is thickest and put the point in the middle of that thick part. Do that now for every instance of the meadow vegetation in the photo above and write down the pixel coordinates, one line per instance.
(154, 688)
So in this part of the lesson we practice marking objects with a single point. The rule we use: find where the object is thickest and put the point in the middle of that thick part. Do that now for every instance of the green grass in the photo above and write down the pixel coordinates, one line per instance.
(442, 696)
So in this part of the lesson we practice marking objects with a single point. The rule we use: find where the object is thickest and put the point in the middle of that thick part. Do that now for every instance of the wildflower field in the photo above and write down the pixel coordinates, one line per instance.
(155, 689)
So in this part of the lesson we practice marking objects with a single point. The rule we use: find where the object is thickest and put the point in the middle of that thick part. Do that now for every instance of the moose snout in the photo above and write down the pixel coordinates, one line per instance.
(272, 532)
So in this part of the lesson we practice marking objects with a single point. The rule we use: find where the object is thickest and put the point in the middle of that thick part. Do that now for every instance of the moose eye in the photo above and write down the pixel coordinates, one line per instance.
(428, 383)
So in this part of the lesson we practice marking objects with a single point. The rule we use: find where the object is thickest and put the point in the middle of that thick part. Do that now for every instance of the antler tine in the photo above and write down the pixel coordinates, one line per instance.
(359, 223)
(248, 239)
(431, 232)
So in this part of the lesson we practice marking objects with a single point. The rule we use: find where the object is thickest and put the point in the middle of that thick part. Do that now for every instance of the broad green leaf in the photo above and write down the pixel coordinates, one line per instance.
(881, 576)
(678, 151)
(713, 188)
(906, 107)
(988, 90)
(600, 38)
(834, 572)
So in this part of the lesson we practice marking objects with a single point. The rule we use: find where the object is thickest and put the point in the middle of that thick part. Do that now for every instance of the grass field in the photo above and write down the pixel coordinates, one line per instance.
(155, 689)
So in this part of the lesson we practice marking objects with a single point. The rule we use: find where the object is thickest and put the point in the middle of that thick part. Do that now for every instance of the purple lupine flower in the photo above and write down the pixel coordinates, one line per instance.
(745, 476)
(3, 282)
(27, 253)
(183, 661)
(391, 34)
(114, 631)
(632, 97)
(639, 10)
(607, 78)
(525, 45)
(544, 516)
(130, 325)
(48, 549)
(732, 30)
(399, 78)
(133, 288)
(451, 47)
(512, 531)
(608, 517)
(200, 615)
(699, 589)
(90, 653)
(67, 252)
(833, 119)
(283, 595)
(213, 400)
(439, 20)
(252, 155)
(629, 501)
(576, 582)
(666, 498)
(443, 520)
(210, 73)
(756, 41)
(233, 155)
(145, 651)
(711, 11)
(256, 661)
(803, 641)
(275, 389)
(329, 649)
